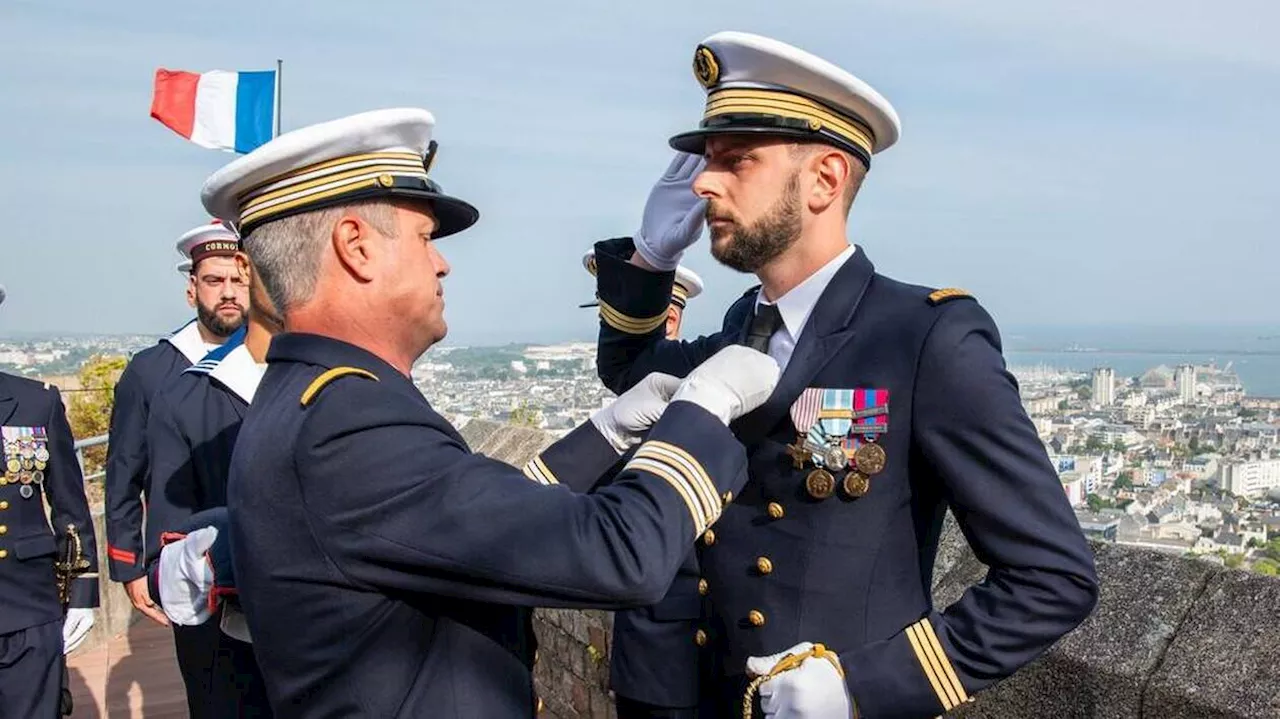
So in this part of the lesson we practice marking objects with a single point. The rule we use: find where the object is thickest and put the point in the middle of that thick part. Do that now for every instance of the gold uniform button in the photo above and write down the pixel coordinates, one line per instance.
(756, 618)
(703, 587)
(540, 706)
(4, 553)
(728, 497)
(708, 537)
(700, 638)
(4, 504)
(775, 510)
(764, 565)
(3, 481)
(4, 529)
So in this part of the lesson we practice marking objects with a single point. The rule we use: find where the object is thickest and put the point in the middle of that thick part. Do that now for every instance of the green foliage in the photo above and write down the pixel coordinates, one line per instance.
(1266, 567)
(1234, 561)
(89, 411)
(525, 415)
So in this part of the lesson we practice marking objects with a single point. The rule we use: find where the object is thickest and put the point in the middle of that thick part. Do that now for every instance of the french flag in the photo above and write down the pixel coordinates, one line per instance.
(220, 110)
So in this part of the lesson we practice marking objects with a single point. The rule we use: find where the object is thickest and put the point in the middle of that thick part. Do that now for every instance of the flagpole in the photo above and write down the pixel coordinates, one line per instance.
(279, 83)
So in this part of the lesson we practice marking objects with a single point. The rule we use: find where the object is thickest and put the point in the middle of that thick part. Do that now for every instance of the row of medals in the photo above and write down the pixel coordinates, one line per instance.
(25, 463)
(830, 459)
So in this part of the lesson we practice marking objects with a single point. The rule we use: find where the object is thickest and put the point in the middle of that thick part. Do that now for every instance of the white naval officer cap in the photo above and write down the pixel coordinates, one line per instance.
(687, 284)
(207, 240)
(756, 84)
(371, 155)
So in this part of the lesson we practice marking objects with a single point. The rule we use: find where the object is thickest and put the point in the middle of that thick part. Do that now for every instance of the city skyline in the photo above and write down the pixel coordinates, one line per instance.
(1067, 164)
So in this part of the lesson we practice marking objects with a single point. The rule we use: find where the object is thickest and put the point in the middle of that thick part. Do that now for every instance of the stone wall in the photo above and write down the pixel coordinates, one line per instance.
(1171, 637)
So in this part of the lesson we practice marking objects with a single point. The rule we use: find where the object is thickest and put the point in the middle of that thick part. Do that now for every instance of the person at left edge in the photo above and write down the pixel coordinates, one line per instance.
(385, 569)
(220, 309)
(191, 432)
(40, 467)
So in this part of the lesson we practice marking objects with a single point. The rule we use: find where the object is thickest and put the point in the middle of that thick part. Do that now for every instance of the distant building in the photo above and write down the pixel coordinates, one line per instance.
(1185, 379)
(1253, 478)
(1104, 386)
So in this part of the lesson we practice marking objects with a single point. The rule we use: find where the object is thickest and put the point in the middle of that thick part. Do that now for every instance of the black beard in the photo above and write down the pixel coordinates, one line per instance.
(208, 317)
(750, 248)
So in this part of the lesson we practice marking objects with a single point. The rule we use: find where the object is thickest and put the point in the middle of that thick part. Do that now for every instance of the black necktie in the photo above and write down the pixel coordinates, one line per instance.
(766, 321)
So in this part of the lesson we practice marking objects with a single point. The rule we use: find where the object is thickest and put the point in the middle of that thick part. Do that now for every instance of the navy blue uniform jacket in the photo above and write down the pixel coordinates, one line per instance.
(386, 570)
(855, 573)
(28, 548)
(127, 482)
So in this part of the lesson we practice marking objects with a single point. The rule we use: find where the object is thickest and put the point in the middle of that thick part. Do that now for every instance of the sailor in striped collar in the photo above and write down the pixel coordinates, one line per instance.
(213, 290)
(192, 431)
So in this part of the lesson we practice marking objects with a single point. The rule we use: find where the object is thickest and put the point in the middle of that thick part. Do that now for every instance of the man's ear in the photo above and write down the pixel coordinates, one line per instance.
(833, 170)
(354, 245)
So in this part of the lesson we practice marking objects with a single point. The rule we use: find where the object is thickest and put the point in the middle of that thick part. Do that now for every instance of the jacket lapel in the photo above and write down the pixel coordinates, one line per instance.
(829, 328)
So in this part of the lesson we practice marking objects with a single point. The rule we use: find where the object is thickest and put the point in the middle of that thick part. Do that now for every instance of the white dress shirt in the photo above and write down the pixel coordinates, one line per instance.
(796, 306)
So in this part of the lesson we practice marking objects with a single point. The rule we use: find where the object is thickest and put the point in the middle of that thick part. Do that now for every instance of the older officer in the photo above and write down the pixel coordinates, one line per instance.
(220, 307)
(40, 467)
(894, 405)
(191, 432)
(384, 569)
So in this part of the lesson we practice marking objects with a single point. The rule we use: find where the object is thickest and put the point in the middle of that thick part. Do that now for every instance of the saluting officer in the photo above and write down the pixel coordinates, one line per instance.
(384, 569)
(220, 310)
(191, 433)
(686, 286)
(40, 467)
(894, 405)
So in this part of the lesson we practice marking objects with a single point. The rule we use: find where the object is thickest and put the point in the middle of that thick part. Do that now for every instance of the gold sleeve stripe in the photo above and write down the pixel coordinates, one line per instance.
(538, 471)
(949, 672)
(323, 380)
(693, 471)
(677, 482)
(630, 325)
(930, 671)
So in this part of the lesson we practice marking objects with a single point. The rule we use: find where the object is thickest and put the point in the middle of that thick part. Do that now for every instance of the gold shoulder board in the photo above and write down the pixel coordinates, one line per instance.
(320, 382)
(937, 297)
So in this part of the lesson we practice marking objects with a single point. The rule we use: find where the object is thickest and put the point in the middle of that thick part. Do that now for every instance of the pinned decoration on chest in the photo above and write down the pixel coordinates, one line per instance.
(26, 455)
(838, 433)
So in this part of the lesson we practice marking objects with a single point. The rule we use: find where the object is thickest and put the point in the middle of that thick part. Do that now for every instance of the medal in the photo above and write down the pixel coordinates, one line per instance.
(40, 464)
(27, 451)
(855, 484)
(820, 484)
(26, 491)
(42, 454)
(28, 464)
(869, 458)
(24, 477)
(37, 477)
(13, 465)
(799, 453)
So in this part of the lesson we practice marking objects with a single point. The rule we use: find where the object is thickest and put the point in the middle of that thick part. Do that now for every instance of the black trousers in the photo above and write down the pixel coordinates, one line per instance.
(632, 709)
(220, 674)
(31, 668)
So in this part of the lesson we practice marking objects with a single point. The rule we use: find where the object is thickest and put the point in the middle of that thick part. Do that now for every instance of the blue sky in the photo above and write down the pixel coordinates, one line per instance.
(1069, 162)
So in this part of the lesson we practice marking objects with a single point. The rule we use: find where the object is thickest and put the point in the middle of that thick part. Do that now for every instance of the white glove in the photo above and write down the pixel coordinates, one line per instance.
(186, 578)
(814, 690)
(734, 381)
(673, 215)
(635, 411)
(75, 628)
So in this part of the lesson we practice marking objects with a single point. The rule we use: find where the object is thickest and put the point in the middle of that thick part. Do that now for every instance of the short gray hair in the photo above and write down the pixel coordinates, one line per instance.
(286, 252)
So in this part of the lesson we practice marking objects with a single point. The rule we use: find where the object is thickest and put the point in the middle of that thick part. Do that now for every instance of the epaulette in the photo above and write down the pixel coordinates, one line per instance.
(937, 297)
(329, 376)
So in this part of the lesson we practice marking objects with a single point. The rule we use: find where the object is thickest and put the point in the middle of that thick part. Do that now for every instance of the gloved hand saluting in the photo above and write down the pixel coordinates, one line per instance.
(673, 215)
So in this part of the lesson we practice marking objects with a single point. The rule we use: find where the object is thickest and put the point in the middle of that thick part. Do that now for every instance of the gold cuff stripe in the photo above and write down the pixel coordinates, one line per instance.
(949, 672)
(694, 472)
(679, 292)
(930, 671)
(677, 482)
(538, 471)
(789, 105)
(627, 323)
(250, 203)
(709, 510)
